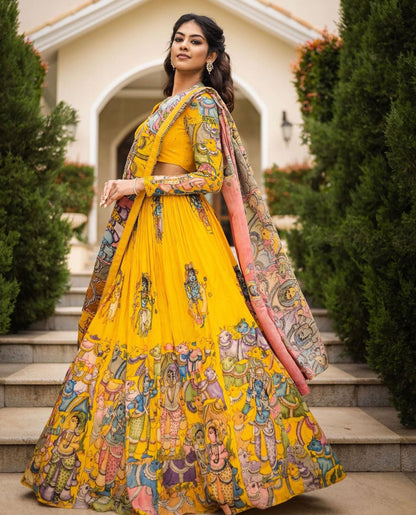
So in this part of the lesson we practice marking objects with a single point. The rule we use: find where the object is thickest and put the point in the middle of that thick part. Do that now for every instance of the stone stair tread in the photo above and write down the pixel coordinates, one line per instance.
(319, 311)
(329, 337)
(357, 425)
(389, 417)
(54, 373)
(32, 373)
(22, 425)
(44, 337)
(341, 426)
(77, 289)
(68, 310)
(347, 373)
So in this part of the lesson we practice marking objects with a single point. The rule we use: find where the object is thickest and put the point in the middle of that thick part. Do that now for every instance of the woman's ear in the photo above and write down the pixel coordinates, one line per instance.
(212, 57)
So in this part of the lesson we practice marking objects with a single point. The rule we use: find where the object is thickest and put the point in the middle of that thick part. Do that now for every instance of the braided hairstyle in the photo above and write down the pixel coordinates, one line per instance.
(220, 77)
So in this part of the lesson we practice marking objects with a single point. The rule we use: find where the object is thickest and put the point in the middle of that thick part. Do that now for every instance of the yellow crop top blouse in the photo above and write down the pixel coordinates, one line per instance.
(176, 146)
(192, 142)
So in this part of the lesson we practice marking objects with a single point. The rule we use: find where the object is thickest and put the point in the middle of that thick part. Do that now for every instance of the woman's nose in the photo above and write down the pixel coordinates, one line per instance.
(184, 44)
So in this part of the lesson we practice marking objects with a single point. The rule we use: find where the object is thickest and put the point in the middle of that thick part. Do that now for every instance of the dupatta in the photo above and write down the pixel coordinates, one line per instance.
(274, 294)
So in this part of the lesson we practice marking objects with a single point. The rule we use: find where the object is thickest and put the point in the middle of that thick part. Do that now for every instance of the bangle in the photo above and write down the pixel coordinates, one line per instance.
(134, 186)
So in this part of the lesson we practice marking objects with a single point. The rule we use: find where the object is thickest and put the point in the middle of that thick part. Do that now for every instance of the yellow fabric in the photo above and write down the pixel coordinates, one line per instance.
(175, 402)
(200, 119)
(176, 146)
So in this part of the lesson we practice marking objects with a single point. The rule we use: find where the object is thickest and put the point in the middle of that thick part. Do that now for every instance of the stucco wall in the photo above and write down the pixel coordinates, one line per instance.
(320, 13)
(33, 13)
(93, 63)
(91, 67)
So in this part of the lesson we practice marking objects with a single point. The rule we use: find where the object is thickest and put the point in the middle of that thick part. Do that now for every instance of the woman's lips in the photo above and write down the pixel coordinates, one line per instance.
(182, 56)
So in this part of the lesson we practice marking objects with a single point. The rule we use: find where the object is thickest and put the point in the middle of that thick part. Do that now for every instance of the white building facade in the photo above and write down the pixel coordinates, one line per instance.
(105, 60)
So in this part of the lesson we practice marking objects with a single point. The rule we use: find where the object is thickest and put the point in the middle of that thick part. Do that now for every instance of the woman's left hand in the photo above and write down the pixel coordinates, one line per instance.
(113, 190)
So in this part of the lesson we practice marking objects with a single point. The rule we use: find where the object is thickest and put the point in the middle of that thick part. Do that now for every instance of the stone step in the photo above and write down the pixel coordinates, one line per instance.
(392, 493)
(334, 348)
(73, 298)
(33, 384)
(38, 347)
(365, 439)
(322, 320)
(348, 384)
(65, 319)
(81, 279)
(60, 346)
(38, 384)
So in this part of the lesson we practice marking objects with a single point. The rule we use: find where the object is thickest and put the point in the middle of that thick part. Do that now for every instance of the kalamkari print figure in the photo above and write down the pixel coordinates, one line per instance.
(185, 393)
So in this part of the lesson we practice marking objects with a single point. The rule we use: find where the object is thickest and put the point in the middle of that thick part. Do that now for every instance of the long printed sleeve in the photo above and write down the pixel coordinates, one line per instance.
(202, 125)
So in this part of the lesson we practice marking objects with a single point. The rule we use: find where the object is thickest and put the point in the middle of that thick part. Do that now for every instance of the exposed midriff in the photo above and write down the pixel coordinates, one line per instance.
(176, 155)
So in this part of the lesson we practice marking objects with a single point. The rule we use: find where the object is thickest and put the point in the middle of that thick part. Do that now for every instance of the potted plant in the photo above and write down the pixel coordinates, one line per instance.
(77, 180)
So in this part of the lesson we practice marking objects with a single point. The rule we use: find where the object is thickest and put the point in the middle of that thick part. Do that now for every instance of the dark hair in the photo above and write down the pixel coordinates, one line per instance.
(220, 77)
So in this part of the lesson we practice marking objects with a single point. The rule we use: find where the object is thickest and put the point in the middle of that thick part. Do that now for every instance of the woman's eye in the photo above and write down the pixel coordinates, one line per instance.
(196, 42)
(178, 40)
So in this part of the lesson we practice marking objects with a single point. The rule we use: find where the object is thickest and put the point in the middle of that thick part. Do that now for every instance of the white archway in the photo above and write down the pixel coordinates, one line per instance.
(134, 74)
(120, 137)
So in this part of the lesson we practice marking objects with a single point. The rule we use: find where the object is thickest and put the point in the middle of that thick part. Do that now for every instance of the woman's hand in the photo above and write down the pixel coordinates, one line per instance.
(113, 190)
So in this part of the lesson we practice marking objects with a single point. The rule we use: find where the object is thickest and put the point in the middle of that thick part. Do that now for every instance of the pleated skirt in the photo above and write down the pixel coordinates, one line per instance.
(175, 402)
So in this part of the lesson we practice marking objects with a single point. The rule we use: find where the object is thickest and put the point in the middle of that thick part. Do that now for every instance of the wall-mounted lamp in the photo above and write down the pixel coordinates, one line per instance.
(71, 130)
(286, 128)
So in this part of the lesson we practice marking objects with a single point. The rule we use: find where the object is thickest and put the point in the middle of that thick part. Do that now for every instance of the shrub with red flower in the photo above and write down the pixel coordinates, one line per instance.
(283, 185)
(77, 180)
(316, 73)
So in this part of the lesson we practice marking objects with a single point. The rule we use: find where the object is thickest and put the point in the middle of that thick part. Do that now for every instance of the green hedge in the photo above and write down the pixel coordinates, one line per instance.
(359, 229)
(77, 187)
(34, 239)
(284, 185)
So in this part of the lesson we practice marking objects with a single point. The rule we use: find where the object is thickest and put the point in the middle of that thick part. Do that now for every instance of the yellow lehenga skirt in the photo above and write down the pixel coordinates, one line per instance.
(175, 402)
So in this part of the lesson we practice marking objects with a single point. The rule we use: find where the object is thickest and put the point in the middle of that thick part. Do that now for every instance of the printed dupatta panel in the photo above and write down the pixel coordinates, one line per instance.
(137, 159)
(274, 284)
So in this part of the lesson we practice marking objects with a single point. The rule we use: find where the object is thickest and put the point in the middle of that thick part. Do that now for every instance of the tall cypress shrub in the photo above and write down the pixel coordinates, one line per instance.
(34, 240)
(361, 101)
(316, 76)
(389, 271)
(361, 252)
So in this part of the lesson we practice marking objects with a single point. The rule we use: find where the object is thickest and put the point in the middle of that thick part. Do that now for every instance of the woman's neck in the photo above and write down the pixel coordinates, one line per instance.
(183, 82)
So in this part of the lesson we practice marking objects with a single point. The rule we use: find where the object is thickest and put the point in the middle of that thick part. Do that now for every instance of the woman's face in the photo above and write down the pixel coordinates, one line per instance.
(189, 51)
(212, 434)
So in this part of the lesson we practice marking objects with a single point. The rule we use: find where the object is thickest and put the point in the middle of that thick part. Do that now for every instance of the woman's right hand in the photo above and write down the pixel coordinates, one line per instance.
(115, 189)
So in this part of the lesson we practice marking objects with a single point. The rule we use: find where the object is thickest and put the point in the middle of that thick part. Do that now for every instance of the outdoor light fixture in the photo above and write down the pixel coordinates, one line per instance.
(71, 130)
(286, 128)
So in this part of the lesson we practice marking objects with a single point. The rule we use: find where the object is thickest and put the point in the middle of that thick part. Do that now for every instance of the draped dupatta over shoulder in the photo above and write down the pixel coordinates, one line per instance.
(272, 290)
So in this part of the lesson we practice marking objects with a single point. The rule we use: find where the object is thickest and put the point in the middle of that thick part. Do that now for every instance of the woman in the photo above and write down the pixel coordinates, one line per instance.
(190, 368)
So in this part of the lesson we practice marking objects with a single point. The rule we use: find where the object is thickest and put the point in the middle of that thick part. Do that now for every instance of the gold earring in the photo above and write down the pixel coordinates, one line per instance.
(171, 63)
(210, 67)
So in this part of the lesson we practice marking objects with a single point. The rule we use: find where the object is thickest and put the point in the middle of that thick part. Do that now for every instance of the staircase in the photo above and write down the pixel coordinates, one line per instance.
(348, 400)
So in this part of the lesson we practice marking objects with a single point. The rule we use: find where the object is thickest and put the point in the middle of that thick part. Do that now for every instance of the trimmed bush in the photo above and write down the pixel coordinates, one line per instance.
(360, 228)
(77, 181)
(316, 72)
(283, 185)
(32, 149)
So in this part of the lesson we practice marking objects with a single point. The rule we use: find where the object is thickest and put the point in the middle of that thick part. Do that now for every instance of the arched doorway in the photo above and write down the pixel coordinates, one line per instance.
(123, 150)
(216, 199)
(121, 113)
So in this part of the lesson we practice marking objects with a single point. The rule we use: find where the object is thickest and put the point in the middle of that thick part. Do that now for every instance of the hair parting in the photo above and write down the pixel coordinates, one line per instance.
(220, 78)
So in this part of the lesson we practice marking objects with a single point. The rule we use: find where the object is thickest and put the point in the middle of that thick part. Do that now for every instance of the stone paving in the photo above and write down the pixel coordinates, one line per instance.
(348, 400)
(384, 493)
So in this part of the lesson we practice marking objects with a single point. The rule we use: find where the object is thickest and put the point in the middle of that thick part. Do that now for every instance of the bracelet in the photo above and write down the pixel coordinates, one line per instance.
(134, 186)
